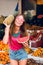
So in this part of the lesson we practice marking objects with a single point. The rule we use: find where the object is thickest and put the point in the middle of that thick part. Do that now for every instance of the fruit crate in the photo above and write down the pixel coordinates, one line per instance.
(6, 57)
(37, 59)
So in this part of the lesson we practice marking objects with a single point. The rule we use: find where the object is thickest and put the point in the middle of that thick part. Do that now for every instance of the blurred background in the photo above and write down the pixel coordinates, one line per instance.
(33, 12)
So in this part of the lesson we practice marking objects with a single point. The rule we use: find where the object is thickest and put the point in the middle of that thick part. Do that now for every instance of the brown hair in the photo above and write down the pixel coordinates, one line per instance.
(22, 28)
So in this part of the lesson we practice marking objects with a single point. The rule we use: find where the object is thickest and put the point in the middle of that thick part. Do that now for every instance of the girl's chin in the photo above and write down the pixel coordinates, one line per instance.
(18, 25)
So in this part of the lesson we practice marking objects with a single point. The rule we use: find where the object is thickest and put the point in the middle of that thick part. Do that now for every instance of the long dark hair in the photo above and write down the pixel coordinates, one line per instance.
(22, 28)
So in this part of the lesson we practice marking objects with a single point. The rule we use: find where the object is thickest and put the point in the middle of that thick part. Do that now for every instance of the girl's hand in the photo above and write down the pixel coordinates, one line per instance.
(25, 44)
(6, 25)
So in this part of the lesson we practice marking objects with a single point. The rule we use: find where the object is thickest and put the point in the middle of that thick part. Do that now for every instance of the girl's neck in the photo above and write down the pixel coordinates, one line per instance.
(16, 29)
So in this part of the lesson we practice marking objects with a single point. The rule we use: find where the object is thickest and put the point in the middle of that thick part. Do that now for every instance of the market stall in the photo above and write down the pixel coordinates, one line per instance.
(4, 55)
(35, 50)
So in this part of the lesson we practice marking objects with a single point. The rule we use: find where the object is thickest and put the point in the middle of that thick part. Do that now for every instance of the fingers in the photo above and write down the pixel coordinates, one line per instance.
(25, 44)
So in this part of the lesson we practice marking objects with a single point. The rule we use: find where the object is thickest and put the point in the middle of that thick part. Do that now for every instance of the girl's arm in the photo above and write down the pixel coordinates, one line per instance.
(5, 38)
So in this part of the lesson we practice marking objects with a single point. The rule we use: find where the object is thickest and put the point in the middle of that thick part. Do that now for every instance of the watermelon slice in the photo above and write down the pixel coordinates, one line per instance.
(23, 39)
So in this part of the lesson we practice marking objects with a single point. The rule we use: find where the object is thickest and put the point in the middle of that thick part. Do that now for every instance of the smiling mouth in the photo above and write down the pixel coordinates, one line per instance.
(18, 22)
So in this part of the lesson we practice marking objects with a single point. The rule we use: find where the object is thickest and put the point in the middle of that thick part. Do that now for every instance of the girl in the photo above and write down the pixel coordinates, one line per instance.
(16, 30)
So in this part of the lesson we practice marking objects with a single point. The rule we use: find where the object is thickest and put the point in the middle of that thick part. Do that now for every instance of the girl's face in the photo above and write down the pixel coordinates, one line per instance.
(19, 20)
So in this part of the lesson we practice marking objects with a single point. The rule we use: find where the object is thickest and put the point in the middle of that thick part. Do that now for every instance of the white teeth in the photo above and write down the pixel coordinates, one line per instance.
(19, 22)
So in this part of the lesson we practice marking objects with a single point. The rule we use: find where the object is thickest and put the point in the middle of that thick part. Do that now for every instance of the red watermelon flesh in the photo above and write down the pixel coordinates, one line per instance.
(23, 39)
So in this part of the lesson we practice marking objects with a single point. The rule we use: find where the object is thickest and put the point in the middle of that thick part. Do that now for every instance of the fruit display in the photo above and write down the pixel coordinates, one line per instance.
(28, 50)
(38, 52)
(4, 58)
(4, 55)
(33, 62)
(3, 47)
(33, 27)
(36, 39)
(2, 18)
